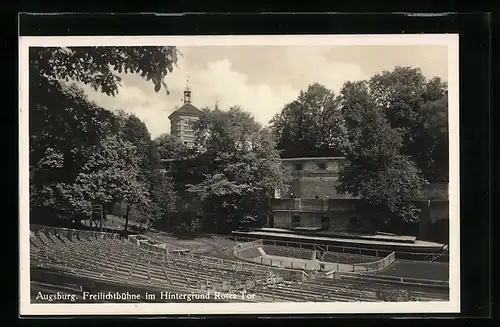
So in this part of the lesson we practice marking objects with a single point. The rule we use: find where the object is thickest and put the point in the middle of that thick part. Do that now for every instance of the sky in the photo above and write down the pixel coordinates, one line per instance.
(262, 79)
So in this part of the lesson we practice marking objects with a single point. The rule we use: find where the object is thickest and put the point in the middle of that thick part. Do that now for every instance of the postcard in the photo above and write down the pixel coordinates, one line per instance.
(239, 175)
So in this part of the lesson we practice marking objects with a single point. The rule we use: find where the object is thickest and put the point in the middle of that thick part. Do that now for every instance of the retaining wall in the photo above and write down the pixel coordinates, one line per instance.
(303, 264)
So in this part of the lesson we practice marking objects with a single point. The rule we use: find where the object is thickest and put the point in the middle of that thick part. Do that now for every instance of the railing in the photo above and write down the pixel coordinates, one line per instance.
(304, 264)
(251, 244)
(153, 245)
(300, 204)
(376, 265)
(286, 273)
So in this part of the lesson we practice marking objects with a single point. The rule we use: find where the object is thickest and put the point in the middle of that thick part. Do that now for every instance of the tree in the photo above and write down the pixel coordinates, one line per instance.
(400, 94)
(418, 108)
(110, 174)
(375, 171)
(354, 101)
(242, 171)
(160, 188)
(430, 148)
(311, 125)
(170, 147)
(99, 66)
(65, 128)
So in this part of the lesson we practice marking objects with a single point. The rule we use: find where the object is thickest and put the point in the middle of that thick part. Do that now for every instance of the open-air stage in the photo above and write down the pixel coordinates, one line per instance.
(407, 247)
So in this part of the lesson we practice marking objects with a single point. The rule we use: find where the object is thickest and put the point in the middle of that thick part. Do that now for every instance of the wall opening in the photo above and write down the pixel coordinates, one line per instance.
(295, 221)
(325, 222)
(271, 221)
(354, 223)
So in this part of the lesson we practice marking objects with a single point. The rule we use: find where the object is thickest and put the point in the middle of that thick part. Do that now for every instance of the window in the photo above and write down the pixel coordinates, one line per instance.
(298, 166)
(296, 219)
(325, 219)
(322, 166)
(185, 143)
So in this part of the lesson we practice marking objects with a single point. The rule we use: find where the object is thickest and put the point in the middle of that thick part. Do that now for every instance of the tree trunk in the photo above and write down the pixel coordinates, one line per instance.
(126, 217)
(103, 217)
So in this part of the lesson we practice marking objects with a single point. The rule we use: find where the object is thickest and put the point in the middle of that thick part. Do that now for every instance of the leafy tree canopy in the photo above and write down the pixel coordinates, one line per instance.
(99, 66)
(418, 109)
(170, 147)
(80, 153)
(312, 125)
(376, 172)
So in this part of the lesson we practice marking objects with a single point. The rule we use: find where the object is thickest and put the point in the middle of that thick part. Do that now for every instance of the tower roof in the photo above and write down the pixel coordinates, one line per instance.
(187, 109)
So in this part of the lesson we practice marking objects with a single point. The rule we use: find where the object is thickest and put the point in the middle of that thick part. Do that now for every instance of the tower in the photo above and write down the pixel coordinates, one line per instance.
(182, 118)
(187, 93)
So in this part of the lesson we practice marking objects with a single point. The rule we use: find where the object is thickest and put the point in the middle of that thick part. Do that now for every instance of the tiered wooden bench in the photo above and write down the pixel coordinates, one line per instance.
(117, 260)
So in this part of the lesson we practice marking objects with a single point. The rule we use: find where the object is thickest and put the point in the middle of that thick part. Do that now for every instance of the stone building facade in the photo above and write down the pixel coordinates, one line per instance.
(313, 177)
(312, 201)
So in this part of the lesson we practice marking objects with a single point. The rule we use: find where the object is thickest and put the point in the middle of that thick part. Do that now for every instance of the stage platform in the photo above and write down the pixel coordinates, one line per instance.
(376, 242)
(337, 234)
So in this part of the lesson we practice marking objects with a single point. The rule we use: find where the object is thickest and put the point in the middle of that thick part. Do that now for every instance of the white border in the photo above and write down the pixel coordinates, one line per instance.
(452, 306)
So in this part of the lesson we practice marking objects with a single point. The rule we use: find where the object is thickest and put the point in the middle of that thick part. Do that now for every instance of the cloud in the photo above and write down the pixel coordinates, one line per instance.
(261, 93)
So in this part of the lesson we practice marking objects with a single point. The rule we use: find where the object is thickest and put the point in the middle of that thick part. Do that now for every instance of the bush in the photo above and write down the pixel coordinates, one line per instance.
(187, 224)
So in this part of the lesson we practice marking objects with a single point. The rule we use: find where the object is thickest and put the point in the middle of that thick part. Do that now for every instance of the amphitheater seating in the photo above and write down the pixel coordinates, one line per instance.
(422, 270)
(370, 290)
(328, 290)
(120, 260)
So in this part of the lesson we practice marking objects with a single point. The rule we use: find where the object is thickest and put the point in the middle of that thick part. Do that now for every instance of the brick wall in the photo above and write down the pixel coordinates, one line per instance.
(313, 176)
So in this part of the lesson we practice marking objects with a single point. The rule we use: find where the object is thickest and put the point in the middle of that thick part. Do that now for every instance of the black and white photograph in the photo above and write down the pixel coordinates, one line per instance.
(241, 174)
